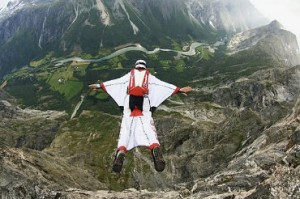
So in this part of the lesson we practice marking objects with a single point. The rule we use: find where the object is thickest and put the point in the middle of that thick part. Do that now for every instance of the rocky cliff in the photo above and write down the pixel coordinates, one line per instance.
(33, 174)
(244, 145)
(25, 127)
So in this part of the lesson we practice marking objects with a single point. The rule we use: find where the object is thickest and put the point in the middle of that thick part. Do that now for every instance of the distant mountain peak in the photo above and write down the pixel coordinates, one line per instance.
(277, 42)
(275, 25)
(230, 15)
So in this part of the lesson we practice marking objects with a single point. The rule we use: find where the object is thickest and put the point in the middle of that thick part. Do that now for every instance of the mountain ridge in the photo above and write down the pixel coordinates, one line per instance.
(283, 45)
(78, 28)
(235, 136)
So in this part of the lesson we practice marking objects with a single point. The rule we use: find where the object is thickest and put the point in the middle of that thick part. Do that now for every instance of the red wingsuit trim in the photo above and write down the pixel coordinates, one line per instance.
(123, 148)
(176, 91)
(136, 112)
(103, 87)
(153, 145)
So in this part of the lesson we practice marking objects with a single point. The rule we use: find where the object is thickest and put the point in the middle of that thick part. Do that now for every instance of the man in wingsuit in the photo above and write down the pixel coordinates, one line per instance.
(138, 93)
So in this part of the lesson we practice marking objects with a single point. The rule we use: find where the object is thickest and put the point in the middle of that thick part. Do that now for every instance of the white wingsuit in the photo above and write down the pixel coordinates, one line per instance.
(138, 130)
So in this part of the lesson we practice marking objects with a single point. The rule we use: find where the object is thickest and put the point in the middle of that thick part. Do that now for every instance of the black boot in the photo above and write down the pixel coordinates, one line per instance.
(118, 162)
(159, 163)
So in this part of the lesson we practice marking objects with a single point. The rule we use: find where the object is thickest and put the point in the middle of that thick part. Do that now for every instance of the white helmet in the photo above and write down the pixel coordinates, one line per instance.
(140, 64)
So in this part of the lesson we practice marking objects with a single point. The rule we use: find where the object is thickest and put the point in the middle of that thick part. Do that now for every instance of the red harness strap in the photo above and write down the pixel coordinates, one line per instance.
(138, 90)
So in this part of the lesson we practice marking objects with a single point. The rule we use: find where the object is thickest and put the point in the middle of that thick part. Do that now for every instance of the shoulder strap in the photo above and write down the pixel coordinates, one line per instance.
(145, 81)
(131, 80)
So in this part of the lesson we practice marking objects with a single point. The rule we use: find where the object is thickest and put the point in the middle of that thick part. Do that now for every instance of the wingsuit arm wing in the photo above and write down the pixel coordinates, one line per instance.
(116, 88)
(159, 91)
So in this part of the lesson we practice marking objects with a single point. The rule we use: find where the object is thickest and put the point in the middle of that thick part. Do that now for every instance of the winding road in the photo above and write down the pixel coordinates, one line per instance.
(136, 47)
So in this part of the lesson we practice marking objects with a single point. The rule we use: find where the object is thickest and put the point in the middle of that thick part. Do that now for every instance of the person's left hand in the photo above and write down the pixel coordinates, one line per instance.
(186, 89)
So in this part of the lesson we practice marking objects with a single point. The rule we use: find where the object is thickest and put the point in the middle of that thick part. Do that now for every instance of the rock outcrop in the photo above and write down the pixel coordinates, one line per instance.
(266, 168)
(28, 173)
(26, 127)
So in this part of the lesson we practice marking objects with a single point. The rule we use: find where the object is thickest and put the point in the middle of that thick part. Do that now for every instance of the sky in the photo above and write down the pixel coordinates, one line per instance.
(3, 3)
(287, 12)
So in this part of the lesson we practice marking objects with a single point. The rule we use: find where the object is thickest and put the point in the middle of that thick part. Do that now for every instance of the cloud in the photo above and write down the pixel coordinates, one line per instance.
(286, 12)
(3, 3)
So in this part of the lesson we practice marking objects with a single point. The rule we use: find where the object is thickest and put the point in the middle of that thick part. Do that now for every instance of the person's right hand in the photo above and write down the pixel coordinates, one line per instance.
(93, 86)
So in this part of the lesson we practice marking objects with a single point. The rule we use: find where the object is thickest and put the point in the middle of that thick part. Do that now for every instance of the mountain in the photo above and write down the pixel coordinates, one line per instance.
(231, 16)
(279, 44)
(29, 29)
(235, 136)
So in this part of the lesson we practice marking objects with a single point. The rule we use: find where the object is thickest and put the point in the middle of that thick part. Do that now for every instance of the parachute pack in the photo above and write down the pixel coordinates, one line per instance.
(137, 89)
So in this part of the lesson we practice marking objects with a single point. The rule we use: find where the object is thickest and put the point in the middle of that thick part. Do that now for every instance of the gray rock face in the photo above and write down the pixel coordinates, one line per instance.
(212, 151)
(33, 174)
(228, 149)
(27, 128)
(265, 92)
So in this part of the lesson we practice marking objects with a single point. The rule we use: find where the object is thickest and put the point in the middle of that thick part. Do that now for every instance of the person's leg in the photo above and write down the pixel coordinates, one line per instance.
(118, 162)
(122, 147)
(124, 134)
(159, 163)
